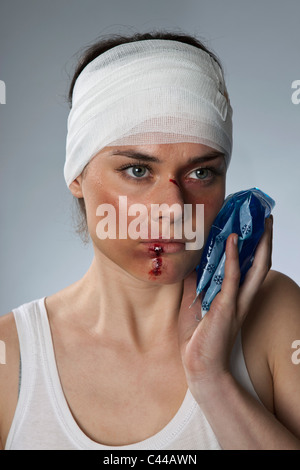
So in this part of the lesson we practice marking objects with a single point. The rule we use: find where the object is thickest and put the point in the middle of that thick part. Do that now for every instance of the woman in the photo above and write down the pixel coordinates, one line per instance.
(119, 360)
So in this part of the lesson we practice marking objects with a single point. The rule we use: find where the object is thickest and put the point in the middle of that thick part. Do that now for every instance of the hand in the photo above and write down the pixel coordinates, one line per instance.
(206, 344)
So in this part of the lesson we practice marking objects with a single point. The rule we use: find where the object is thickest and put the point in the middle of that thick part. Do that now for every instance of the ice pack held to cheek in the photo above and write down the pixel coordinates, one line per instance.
(243, 213)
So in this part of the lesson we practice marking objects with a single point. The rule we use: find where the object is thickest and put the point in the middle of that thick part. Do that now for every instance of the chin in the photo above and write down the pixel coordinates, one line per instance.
(162, 271)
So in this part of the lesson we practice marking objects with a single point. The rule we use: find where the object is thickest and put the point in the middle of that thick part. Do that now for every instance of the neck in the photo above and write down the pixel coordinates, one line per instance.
(120, 307)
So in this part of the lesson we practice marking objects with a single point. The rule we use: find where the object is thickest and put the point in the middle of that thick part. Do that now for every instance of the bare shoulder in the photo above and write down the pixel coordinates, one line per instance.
(9, 372)
(280, 291)
(276, 308)
(270, 333)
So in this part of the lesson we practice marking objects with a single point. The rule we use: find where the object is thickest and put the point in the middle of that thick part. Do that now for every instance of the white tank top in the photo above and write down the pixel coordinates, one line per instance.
(43, 419)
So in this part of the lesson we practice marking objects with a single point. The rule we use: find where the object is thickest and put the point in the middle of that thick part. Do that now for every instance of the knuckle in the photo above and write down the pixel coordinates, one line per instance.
(223, 306)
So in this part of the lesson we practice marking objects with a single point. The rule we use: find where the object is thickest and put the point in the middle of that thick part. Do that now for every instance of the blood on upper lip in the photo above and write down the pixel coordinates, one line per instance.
(156, 249)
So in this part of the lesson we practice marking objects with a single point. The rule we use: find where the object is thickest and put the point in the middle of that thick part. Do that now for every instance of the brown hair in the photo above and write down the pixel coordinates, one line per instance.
(98, 48)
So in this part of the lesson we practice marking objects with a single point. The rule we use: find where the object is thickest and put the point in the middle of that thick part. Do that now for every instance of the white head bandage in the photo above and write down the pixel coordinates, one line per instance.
(147, 92)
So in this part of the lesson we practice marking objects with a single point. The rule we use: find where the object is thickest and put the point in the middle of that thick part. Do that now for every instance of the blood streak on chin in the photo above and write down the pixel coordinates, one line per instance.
(156, 251)
(156, 271)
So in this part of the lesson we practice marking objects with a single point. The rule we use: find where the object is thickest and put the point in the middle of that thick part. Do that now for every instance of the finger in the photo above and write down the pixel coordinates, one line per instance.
(189, 292)
(259, 269)
(190, 308)
(230, 285)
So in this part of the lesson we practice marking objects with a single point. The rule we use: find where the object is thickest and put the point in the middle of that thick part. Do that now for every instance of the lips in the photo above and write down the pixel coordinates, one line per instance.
(159, 247)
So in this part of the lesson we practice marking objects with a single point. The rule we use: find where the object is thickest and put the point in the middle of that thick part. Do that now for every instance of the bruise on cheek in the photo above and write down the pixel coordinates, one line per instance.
(212, 205)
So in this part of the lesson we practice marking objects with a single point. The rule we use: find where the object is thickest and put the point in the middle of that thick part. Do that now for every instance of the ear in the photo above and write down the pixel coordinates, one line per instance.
(76, 187)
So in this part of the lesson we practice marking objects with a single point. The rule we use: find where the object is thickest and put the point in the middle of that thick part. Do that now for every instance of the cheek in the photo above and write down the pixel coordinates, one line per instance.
(118, 208)
(212, 205)
(211, 208)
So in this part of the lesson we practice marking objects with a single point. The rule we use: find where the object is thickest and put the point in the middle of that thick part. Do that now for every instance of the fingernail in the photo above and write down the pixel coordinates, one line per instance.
(235, 239)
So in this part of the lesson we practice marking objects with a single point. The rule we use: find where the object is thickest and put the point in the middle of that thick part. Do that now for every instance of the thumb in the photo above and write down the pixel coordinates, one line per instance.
(190, 313)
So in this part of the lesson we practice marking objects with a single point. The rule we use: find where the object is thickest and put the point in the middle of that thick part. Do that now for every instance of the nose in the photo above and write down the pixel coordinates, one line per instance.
(168, 202)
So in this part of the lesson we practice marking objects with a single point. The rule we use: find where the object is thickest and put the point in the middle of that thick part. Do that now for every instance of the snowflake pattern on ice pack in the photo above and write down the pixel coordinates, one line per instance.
(205, 306)
(220, 239)
(246, 229)
(210, 268)
(218, 280)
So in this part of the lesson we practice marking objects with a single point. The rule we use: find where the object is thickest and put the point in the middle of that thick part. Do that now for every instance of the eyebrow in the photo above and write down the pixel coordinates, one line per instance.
(150, 158)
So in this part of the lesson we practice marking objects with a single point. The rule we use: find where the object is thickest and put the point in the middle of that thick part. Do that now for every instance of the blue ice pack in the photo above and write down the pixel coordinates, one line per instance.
(243, 213)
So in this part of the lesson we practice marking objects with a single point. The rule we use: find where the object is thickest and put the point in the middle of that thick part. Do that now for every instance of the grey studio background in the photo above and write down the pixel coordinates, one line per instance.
(258, 43)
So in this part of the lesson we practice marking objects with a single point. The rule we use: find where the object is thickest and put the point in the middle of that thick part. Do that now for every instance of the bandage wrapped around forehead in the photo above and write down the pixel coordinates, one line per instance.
(147, 92)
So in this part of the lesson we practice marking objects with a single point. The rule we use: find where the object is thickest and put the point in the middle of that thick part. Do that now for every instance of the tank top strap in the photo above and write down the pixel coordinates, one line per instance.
(24, 316)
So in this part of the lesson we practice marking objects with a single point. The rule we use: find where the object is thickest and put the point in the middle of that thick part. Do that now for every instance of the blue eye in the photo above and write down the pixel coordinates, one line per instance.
(201, 173)
(138, 171)
(135, 171)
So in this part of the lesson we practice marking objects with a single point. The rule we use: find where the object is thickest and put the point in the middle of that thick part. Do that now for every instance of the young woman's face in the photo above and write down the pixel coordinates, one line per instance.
(182, 174)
